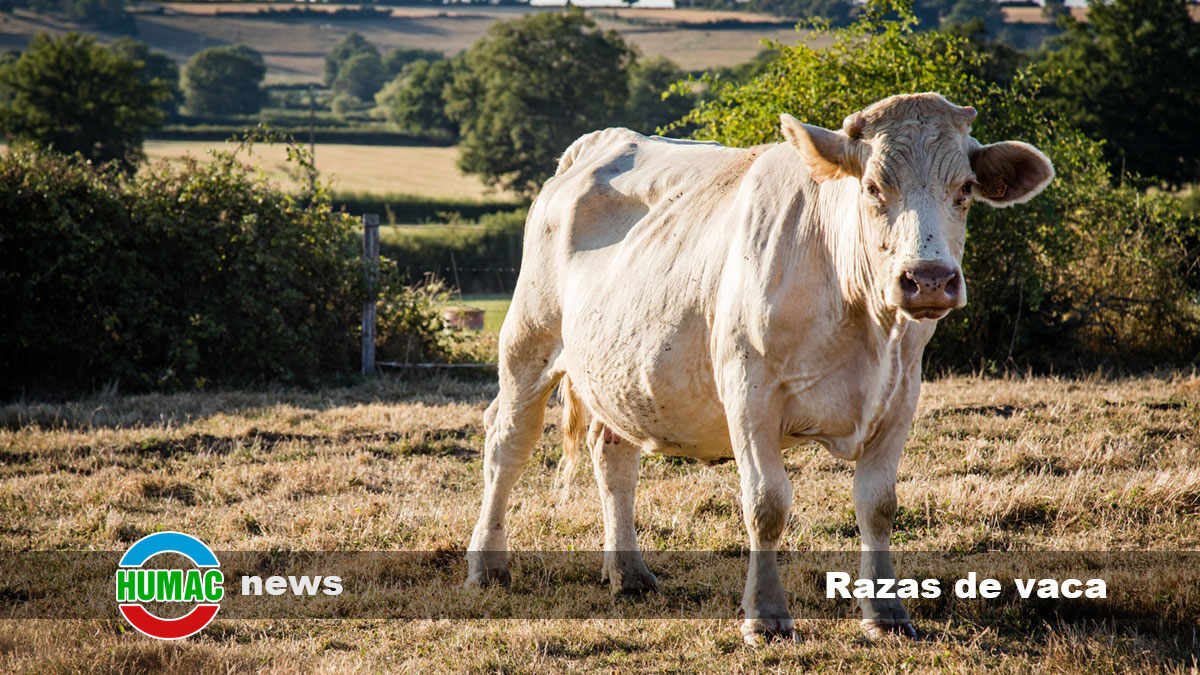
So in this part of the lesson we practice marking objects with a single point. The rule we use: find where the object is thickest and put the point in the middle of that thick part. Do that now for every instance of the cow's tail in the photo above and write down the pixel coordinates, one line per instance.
(574, 432)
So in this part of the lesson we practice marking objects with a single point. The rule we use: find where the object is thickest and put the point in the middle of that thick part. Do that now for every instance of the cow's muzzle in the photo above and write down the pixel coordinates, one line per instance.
(929, 289)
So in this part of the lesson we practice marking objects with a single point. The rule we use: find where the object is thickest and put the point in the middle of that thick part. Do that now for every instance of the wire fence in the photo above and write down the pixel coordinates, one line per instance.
(471, 279)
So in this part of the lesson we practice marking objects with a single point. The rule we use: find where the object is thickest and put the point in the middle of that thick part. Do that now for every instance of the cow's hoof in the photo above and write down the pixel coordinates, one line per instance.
(758, 632)
(881, 629)
(487, 568)
(629, 579)
(482, 577)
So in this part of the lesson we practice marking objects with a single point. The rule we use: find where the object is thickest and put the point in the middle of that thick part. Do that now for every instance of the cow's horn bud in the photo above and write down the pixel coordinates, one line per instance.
(853, 124)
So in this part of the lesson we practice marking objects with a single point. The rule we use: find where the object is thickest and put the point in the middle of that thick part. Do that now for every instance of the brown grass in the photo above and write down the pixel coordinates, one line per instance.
(379, 169)
(1043, 464)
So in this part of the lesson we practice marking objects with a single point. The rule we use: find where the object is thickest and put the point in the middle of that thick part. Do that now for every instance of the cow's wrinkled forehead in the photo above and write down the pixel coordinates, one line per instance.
(918, 137)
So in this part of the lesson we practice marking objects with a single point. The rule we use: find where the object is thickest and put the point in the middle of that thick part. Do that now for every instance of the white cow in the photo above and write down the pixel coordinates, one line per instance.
(709, 302)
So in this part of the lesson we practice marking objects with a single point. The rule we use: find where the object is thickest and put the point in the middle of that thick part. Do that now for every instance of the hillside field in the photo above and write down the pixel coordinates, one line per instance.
(392, 464)
(294, 48)
(378, 169)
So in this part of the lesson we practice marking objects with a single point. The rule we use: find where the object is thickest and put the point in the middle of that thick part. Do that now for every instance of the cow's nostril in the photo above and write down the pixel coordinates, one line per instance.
(907, 284)
(953, 284)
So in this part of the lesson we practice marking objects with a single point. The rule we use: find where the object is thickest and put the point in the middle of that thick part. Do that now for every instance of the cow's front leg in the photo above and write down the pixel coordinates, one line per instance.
(616, 462)
(766, 502)
(875, 510)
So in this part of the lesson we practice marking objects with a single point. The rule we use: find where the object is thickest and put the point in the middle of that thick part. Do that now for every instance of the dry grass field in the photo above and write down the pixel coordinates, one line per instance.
(390, 464)
(378, 169)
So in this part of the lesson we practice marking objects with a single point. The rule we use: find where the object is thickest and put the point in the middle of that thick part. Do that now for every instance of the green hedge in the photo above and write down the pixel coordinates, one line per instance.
(348, 136)
(174, 278)
(479, 258)
(405, 208)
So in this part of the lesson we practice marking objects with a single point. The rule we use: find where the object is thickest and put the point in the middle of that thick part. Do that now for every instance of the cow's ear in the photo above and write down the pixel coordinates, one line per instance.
(828, 154)
(1009, 172)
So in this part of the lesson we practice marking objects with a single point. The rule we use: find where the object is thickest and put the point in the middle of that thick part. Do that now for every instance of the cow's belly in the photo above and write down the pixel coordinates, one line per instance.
(653, 386)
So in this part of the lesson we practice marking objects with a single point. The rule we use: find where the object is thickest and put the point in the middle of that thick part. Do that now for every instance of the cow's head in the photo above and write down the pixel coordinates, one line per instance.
(917, 171)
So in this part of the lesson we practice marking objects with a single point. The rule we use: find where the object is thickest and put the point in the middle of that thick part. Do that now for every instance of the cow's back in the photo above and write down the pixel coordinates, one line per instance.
(611, 181)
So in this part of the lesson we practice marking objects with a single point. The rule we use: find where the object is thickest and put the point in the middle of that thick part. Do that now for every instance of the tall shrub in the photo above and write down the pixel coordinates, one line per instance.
(173, 278)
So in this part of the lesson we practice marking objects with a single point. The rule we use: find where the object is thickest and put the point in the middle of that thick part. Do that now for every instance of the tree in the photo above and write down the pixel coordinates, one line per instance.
(343, 104)
(933, 14)
(224, 81)
(1131, 76)
(156, 67)
(838, 12)
(360, 76)
(998, 62)
(986, 11)
(531, 87)
(648, 80)
(1053, 9)
(71, 94)
(395, 60)
(415, 101)
(348, 47)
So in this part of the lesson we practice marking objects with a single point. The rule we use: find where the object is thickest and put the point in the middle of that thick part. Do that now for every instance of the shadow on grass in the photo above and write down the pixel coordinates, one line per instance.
(108, 410)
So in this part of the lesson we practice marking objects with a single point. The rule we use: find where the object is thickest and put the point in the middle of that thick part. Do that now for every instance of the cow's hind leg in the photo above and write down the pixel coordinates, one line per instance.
(513, 424)
(616, 463)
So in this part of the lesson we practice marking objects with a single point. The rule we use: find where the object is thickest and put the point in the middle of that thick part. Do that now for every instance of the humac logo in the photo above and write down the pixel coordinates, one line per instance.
(139, 584)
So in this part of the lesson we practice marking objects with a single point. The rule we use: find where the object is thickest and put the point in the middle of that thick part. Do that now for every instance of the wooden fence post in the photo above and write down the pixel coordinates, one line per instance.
(370, 223)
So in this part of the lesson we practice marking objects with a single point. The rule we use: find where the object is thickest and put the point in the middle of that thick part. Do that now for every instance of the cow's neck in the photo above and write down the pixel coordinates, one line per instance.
(854, 266)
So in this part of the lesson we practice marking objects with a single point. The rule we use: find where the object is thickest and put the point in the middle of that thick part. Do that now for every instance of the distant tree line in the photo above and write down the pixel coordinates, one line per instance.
(930, 14)
(1130, 76)
(106, 14)
(356, 70)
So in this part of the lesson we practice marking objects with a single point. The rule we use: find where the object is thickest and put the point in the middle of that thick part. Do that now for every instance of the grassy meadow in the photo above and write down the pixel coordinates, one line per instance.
(394, 464)
(495, 307)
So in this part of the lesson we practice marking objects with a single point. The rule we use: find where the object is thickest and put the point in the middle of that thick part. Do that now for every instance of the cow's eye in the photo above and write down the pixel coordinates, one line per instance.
(873, 190)
(964, 192)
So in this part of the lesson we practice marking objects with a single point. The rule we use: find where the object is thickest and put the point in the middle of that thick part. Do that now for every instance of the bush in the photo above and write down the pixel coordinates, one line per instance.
(344, 104)
(410, 325)
(1086, 273)
(185, 277)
